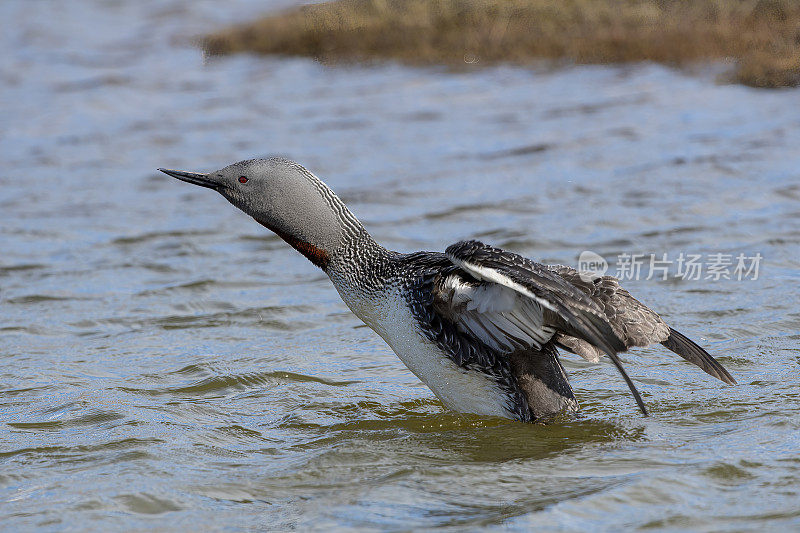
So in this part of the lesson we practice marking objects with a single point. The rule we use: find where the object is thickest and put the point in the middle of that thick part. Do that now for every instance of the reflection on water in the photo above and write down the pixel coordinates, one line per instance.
(165, 361)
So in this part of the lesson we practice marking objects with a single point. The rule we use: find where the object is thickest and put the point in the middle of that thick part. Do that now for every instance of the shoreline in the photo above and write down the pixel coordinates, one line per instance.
(760, 38)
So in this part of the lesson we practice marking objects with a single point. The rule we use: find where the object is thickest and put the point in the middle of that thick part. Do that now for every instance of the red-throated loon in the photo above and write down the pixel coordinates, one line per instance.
(478, 325)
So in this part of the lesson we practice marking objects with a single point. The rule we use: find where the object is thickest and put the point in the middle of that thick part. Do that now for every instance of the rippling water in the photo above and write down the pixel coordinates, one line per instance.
(166, 362)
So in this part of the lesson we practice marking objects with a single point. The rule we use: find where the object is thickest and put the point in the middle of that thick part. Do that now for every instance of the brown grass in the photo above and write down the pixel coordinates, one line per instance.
(762, 36)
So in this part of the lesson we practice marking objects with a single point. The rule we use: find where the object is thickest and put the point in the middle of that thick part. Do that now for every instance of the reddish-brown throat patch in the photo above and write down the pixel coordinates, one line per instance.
(316, 255)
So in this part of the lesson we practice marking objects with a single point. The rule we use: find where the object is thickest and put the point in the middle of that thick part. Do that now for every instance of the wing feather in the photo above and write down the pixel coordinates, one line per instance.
(541, 286)
(497, 295)
(635, 323)
(686, 348)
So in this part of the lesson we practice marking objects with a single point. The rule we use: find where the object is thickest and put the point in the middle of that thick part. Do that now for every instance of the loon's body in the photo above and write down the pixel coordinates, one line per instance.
(478, 325)
(397, 306)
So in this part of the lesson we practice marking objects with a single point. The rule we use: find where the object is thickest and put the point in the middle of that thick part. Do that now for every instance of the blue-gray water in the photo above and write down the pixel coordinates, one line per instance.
(167, 363)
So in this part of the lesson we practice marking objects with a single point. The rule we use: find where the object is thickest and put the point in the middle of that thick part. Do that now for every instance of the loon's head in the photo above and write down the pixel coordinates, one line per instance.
(284, 197)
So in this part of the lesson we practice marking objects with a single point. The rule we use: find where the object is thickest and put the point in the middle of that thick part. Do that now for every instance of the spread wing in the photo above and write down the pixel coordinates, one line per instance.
(633, 322)
(512, 303)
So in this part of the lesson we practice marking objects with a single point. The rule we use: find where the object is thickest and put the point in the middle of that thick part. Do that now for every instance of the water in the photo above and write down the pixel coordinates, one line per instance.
(167, 363)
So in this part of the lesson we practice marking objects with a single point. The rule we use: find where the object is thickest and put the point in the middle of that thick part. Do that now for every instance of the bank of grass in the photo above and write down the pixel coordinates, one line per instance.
(761, 37)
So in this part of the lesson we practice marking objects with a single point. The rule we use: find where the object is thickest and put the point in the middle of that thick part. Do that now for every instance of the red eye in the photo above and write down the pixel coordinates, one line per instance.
(242, 179)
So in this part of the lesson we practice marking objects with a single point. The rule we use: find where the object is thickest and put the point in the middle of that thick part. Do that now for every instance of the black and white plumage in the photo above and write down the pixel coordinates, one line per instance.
(479, 325)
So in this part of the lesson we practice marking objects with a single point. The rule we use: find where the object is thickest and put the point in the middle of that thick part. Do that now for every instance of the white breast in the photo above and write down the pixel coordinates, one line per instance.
(460, 390)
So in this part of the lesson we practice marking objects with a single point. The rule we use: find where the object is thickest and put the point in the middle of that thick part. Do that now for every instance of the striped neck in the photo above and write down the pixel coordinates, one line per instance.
(356, 257)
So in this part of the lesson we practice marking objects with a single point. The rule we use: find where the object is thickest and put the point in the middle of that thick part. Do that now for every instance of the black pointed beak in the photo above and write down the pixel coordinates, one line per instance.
(204, 180)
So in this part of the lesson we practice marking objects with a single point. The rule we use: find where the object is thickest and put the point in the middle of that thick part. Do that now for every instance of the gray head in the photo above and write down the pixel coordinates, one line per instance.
(286, 198)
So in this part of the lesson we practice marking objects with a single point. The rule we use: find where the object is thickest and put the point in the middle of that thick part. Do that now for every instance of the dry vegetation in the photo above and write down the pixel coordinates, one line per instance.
(761, 36)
